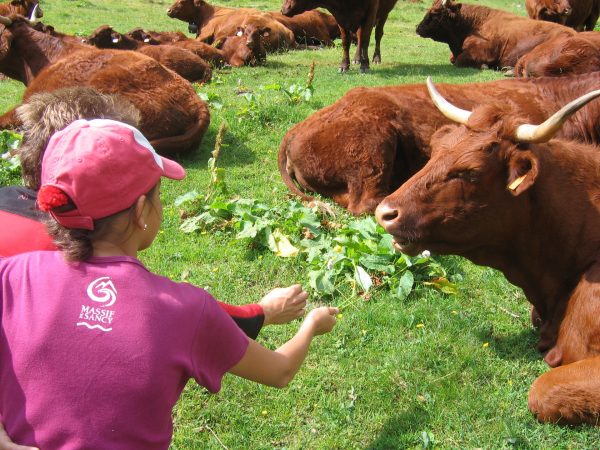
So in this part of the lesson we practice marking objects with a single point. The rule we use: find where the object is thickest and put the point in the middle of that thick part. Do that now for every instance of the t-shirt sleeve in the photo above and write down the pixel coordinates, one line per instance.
(219, 345)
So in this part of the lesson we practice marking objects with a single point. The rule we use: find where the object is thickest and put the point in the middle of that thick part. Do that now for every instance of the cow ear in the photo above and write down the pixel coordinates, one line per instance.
(219, 43)
(522, 172)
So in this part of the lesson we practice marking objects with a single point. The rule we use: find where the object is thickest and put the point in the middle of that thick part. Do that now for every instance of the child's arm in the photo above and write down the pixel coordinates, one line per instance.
(277, 368)
(7, 444)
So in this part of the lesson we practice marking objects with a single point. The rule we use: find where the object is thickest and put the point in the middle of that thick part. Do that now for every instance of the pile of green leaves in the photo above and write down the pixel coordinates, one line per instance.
(10, 167)
(348, 257)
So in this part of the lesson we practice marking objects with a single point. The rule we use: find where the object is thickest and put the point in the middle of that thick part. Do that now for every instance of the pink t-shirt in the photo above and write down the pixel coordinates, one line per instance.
(95, 355)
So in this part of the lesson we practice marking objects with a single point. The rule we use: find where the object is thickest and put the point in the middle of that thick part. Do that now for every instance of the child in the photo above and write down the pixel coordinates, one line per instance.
(95, 349)
(21, 223)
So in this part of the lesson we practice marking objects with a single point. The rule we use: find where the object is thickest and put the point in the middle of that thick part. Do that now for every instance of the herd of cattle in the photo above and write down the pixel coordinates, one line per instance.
(495, 189)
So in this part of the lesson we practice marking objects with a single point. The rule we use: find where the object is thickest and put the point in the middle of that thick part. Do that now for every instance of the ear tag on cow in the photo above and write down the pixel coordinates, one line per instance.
(147, 40)
(240, 33)
(115, 40)
(515, 184)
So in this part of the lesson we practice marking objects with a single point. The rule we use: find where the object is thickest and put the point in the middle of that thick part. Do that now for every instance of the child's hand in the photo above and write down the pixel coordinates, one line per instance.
(322, 319)
(282, 305)
(7, 444)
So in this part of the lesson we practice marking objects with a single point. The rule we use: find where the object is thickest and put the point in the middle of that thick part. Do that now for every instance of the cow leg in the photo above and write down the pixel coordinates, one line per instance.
(346, 39)
(378, 36)
(9, 120)
(364, 35)
(569, 394)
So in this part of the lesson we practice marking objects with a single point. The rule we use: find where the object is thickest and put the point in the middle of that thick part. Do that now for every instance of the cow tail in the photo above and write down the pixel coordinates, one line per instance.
(289, 181)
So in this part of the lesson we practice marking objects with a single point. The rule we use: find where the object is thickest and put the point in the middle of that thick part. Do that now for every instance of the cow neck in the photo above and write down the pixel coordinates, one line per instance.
(31, 51)
(205, 13)
(553, 248)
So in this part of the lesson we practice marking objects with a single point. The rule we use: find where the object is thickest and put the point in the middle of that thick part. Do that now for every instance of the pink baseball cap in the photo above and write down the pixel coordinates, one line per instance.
(103, 166)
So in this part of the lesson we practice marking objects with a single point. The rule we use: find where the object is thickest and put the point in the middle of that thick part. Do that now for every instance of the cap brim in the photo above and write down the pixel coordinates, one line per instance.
(172, 170)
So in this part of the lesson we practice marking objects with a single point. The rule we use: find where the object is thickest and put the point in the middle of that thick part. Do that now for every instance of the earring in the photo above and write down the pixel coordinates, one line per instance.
(145, 226)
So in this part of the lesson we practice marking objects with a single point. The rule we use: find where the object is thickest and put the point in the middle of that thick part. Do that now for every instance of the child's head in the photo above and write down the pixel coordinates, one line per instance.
(94, 171)
(45, 113)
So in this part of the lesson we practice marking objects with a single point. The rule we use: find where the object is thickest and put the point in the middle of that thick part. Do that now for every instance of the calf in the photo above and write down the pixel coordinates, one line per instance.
(364, 146)
(174, 118)
(499, 192)
(578, 14)
(187, 64)
(356, 17)
(482, 37)
(563, 55)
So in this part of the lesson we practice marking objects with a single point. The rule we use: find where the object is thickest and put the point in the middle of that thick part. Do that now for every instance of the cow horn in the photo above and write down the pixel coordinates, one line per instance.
(33, 17)
(545, 131)
(446, 108)
(5, 21)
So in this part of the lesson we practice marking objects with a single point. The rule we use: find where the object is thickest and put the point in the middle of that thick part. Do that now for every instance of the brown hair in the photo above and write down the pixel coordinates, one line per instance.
(77, 244)
(46, 113)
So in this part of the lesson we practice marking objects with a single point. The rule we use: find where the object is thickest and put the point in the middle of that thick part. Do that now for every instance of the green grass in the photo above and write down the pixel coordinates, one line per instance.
(430, 371)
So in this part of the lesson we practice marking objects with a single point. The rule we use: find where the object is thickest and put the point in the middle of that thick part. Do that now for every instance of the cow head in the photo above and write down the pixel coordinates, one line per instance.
(28, 8)
(557, 11)
(140, 35)
(440, 21)
(472, 195)
(105, 37)
(186, 10)
(253, 37)
(293, 7)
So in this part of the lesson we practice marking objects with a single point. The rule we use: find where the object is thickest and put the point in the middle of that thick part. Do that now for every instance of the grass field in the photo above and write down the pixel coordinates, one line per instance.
(431, 371)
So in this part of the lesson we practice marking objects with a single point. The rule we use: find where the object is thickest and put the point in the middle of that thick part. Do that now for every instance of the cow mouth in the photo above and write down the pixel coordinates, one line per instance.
(408, 246)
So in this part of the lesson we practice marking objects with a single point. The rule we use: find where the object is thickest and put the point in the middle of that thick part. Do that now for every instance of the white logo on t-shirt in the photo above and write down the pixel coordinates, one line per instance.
(106, 289)
(101, 290)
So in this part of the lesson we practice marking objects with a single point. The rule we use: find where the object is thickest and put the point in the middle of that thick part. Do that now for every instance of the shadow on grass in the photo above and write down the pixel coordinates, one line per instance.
(444, 71)
(515, 346)
(400, 431)
(234, 152)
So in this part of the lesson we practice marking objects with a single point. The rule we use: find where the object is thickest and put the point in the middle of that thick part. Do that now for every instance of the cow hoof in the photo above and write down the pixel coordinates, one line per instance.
(343, 69)
(376, 60)
(364, 69)
(484, 67)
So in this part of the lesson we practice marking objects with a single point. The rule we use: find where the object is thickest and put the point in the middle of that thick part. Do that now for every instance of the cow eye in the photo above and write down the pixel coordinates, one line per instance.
(470, 176)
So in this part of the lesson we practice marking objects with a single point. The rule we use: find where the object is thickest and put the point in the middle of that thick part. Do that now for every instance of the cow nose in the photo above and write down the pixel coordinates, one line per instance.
(385, 214)
(567, 12)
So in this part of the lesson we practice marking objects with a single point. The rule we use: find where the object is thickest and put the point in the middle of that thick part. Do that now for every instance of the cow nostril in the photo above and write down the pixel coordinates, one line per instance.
(384, 214)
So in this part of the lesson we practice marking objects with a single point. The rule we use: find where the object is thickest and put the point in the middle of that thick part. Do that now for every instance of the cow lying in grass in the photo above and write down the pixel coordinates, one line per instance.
(479, 36)
(562, 55)
(501, 193)
(187, 64)
(364, 146)
(174, 118)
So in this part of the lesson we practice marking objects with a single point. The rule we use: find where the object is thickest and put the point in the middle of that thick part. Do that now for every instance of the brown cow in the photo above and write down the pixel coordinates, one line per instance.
(214, 23)
(311, 28)
(364, 146)
(499, 192)
(203, 50)
(354, 17)
(173, 117)
(187, 64)
(563, 55)
(483, 37)
(211, 22)
(27, 8)
(578, 14)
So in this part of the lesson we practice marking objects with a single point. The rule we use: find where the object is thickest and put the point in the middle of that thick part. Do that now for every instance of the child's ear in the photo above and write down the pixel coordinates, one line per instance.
(139, 219)
(522, 172)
